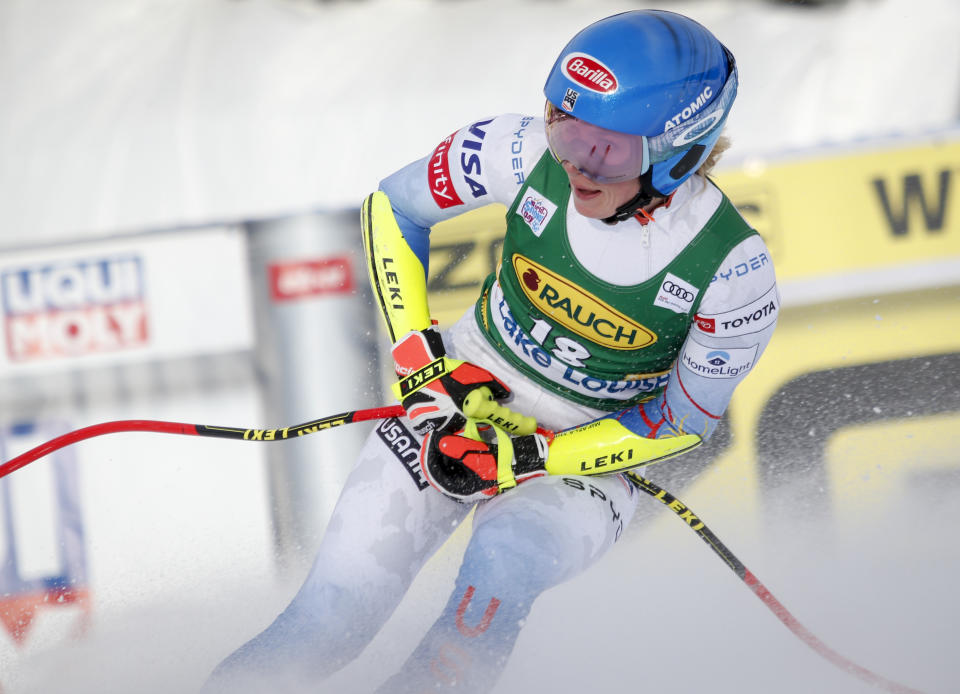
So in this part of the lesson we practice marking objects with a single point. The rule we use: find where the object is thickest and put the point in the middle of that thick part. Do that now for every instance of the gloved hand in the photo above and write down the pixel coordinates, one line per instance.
(469, 469)
(440, 393)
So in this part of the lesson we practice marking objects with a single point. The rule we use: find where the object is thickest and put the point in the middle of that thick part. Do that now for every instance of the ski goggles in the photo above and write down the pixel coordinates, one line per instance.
(606, 156)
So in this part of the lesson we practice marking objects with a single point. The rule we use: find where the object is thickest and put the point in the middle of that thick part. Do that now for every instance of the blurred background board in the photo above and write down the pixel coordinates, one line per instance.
(181, 183)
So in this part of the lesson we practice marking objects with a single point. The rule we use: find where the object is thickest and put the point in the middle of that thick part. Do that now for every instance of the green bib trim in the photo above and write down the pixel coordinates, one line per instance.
(596, 343)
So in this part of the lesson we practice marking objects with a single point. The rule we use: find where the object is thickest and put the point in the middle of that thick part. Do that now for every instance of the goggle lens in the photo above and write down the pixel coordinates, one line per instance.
(599, 154)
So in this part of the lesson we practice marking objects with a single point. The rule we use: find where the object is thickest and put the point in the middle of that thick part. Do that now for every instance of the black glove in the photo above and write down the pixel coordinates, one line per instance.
(441, 393)
(469, 469)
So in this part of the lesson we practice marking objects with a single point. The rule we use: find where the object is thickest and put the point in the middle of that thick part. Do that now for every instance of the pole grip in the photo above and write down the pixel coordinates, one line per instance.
(481, 405)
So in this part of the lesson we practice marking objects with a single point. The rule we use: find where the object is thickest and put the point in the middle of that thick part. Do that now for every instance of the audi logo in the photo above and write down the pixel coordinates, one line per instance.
(678, 291)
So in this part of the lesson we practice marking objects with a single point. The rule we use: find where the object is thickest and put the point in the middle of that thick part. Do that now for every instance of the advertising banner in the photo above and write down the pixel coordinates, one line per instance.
(866, 245)
(139, 298)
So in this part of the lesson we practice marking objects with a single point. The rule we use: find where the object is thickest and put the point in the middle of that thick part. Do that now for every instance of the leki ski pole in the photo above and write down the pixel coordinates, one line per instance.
(159, 427)
(479, 404)
(761, 591)
(285, 433)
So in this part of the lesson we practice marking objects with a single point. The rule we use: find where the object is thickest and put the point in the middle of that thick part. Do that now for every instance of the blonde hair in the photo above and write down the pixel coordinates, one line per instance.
(723, 144)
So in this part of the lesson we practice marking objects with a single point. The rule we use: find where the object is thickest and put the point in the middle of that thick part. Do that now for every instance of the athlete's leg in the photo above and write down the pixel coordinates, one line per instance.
(533, 537)
(386, 524)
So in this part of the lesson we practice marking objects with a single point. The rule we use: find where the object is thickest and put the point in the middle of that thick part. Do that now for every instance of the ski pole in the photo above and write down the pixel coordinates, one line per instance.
(281, 434)
(761, 591)
(479, 404)
(198, 430)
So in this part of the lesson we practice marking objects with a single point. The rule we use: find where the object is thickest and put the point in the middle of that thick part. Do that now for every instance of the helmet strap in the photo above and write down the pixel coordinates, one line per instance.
(634, 205)
(630, 207)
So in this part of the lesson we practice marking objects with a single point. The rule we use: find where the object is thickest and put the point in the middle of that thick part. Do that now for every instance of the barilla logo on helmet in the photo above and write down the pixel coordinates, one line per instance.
(589, 72)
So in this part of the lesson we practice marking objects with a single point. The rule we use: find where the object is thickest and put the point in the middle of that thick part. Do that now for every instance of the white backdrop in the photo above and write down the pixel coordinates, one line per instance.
(125, 115)
(120, 114)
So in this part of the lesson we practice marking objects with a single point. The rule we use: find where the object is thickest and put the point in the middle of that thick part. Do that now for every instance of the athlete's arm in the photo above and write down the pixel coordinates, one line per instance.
(484, 162)
(396, 220)
(732, 328)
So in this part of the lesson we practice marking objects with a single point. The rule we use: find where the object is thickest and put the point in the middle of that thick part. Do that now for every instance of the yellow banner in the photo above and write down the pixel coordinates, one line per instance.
(463, 251)
(865, 210)
(855, 211)
(891, 207)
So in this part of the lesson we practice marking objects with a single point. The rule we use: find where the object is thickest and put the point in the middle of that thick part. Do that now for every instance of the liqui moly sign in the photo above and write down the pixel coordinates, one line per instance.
(73, 308)
(589, 72)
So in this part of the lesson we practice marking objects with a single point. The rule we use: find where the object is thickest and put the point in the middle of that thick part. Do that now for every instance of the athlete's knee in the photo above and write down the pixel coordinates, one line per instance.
(516, 551)
(319, 632)
(331, 619)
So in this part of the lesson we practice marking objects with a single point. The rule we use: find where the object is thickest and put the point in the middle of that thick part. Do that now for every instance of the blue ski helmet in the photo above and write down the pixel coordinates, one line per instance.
(652, 74)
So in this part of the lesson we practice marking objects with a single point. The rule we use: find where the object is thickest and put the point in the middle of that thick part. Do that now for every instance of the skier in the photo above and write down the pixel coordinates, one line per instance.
(631, 300)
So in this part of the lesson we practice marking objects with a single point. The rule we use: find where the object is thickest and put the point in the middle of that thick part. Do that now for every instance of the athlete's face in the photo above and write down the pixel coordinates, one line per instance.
(598, 200)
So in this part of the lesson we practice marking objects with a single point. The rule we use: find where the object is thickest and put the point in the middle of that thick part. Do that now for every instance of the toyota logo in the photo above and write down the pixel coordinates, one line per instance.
(678, 291)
